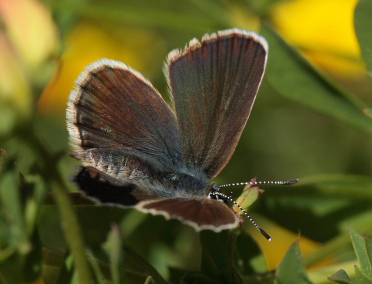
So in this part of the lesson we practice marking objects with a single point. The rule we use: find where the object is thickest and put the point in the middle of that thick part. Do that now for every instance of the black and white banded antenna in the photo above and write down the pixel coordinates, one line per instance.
(279, 182)
(219, 195)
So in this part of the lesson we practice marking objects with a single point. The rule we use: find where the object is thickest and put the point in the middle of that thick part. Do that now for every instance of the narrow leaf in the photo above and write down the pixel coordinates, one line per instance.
(136, 262)
(291, 76)
(363, 28)
(360, 248)
(116, 254)
(217, 256)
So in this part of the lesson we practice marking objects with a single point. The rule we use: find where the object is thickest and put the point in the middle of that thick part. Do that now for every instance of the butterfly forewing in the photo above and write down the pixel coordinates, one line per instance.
(214, 85)
(114, 107)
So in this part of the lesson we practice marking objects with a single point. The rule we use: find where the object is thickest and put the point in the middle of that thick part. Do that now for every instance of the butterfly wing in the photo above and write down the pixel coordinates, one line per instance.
(199, 212)
(214, 85)
(114, 108)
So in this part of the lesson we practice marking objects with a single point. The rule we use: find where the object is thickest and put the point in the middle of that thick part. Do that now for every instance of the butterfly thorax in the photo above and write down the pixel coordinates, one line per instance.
(183, 184)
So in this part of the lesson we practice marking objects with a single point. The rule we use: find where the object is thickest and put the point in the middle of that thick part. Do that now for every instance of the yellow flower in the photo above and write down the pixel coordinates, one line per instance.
(323, 30)
(282, 239)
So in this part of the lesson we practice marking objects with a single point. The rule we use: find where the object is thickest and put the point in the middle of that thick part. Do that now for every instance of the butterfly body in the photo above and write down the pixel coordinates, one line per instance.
(137, 151)
(122, 170)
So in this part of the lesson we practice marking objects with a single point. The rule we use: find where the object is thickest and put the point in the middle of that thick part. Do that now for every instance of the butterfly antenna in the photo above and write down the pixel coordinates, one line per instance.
(229, 198)
(280, 182)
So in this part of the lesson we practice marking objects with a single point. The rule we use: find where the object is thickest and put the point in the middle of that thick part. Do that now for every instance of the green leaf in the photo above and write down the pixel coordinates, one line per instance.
(113, 249)
(368, 243)
(248, 258)
(362, 253)
(32, 266)
(340, 277)
(361, 278)
(11, 205)
(291, 269)
(363, 28)
(20, 248)
(33, 192)
(136, 263)
(217, 256)
(363, 250)
(291, 76)
(99, 270)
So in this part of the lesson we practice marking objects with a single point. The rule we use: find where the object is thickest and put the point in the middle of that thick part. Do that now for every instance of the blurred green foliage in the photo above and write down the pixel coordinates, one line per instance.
(303, 125)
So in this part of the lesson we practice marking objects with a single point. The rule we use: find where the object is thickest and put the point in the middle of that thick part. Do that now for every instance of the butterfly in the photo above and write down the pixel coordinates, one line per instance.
(137, 151)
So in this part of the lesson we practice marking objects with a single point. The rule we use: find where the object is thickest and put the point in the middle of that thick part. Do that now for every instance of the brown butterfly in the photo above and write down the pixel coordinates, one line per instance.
(139, 152)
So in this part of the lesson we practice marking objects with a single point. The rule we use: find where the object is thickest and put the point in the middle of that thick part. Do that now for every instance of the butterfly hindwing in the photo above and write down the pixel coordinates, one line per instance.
(197, 211)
